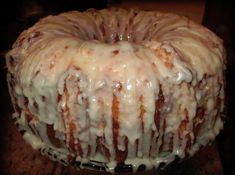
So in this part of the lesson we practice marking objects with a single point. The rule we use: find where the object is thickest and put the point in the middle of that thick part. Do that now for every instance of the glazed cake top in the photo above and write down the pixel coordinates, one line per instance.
(181, 49)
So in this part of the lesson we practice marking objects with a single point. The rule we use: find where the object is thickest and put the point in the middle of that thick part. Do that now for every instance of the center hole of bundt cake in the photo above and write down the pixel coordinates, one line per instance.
(111, 38)
(116, 37)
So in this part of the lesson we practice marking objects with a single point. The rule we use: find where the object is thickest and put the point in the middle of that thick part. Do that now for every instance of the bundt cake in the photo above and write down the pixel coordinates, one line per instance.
(117, 88)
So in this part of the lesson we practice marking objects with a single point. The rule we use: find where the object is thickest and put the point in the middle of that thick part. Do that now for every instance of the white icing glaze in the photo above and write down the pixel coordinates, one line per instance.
(34, 141)
(145, 86)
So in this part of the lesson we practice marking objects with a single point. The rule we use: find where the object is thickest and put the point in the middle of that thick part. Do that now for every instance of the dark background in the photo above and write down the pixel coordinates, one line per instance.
(219, 16)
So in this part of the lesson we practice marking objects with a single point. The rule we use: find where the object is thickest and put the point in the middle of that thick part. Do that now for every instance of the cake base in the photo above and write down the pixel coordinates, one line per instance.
(20, 158)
